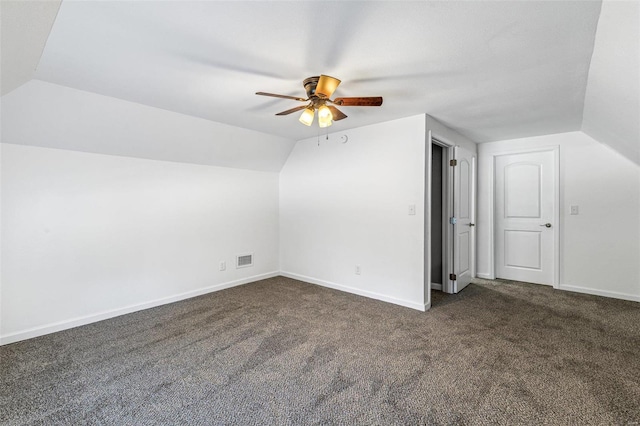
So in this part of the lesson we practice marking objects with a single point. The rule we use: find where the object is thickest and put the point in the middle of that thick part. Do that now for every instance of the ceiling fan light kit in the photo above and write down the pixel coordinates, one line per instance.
(307, 116)
(325, 119)
(319, 91)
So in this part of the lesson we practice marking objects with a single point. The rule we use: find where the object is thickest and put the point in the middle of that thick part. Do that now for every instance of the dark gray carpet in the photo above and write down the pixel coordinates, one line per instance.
(284, 352)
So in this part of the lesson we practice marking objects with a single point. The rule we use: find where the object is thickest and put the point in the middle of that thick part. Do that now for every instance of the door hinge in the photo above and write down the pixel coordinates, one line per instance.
(453, 220)
(453, 277)
(453, 162)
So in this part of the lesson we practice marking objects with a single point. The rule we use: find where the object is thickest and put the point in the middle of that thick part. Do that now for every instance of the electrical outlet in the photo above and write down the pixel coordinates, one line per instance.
(357, 269)
(223, 265)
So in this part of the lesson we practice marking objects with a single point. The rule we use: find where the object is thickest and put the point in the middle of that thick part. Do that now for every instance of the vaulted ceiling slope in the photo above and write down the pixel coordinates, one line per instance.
(53, 116)
(612, 102)
(25, 26)
(490, 70)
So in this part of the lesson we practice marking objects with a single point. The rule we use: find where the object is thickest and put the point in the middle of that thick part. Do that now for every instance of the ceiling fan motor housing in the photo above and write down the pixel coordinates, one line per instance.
(310, 85)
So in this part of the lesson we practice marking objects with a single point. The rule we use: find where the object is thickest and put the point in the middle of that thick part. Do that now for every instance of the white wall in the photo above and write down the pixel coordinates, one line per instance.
(612, 100)
(89, 236)
(346, 204)
(53, 116)
(1, 236)
(600, 247)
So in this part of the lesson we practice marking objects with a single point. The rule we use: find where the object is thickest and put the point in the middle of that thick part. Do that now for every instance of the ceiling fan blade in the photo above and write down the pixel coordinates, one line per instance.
(326, 86)
(289, 111)
(273, 95)
(336, 113)
(368, 101)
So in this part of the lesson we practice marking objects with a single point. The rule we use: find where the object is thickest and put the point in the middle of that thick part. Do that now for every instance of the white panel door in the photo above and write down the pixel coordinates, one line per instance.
(525, 215)
(464, 212)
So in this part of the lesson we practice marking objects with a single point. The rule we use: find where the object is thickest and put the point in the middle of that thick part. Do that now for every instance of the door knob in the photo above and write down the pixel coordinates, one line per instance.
(547, 225)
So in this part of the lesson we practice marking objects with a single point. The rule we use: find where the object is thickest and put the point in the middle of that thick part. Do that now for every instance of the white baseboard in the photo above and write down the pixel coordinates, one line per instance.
(436, 286)
(604, 293)
(585, 290)
(359, 292)
(88, 319)
(484, 276)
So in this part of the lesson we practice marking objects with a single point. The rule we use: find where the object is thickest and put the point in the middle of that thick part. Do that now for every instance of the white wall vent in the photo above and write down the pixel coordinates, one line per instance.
(244, 260)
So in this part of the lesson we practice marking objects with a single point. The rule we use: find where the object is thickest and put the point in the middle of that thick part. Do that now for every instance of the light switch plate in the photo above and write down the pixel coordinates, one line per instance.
(575, 210)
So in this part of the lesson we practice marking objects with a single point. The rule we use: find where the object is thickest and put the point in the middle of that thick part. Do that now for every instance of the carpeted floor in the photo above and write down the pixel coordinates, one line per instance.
(284, 352)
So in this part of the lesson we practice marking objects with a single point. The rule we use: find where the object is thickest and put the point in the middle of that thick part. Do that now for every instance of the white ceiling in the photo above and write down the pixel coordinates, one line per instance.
(491, 70)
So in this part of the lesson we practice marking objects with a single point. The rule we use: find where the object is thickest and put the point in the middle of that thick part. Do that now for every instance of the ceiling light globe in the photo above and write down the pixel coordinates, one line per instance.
(326, 86)
(307, 116)
(324, 112)
(324, 123)
(325, 118)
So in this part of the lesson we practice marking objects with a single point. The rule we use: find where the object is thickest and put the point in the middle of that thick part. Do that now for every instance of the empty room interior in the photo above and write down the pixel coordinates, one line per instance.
(319, 212)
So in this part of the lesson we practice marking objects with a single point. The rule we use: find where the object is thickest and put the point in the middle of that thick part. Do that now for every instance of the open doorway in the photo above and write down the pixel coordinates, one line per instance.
(450, 218)
(438, 222)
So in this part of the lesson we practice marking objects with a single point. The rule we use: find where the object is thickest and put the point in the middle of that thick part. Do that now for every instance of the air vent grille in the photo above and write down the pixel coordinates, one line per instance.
(244, 260)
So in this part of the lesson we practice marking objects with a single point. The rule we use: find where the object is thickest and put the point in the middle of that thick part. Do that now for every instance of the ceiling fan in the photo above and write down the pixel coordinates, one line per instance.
(319, 91)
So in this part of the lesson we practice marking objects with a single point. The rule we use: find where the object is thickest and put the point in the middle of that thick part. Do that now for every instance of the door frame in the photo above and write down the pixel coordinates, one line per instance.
(492, 205)
(443, 209)
(447, 208)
